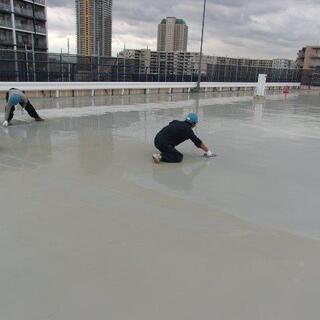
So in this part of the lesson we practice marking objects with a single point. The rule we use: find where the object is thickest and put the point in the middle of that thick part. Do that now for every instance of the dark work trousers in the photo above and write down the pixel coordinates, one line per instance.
(29, 108)
(169, 153)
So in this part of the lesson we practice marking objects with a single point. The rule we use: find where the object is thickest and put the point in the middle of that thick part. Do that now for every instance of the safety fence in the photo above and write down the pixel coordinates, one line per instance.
(311, 77)
(53, 67)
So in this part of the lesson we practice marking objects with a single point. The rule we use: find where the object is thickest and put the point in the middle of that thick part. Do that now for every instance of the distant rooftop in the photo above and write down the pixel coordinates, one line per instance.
(178, 21)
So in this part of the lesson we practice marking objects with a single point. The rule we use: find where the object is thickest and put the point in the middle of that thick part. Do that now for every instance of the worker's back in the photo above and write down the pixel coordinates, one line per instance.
(175, 133)
(17, 92)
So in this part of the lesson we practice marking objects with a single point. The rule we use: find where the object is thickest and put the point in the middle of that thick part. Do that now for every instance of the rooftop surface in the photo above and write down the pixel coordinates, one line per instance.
(92, 229)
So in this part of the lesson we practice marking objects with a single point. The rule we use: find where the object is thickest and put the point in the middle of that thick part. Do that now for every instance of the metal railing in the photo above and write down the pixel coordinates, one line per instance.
(43, 2)
(40, 29)
(23, 11)
(5, 23)
(5, 7)
(40, 15)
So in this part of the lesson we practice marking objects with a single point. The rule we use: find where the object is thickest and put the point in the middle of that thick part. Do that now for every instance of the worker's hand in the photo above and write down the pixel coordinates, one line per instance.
(5, 123)
(208, 154)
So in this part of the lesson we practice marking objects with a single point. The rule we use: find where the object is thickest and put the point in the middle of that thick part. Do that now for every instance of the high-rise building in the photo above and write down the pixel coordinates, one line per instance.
(23, 25)
(172, 35)
(94, 27)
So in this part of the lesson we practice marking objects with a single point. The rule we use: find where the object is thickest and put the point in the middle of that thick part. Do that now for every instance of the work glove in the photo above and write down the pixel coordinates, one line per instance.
(5, 123)
(208, 154)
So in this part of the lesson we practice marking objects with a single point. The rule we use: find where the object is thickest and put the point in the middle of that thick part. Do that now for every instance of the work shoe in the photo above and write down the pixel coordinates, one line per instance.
(156, 158)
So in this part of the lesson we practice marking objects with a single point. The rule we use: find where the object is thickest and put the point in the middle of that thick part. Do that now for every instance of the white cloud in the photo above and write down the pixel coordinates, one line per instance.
(263, 29)
(61, 26)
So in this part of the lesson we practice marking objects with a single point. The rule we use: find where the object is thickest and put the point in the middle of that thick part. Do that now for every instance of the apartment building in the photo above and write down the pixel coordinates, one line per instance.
(23, 25)
(309, 57)
(283, 64)
(187, 63)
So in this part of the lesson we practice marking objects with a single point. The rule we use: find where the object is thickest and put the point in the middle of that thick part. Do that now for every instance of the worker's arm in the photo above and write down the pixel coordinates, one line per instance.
(204, 147)
(200, 144)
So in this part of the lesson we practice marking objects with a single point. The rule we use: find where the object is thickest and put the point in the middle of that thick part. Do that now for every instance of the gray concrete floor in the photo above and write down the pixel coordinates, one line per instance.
(91, 228)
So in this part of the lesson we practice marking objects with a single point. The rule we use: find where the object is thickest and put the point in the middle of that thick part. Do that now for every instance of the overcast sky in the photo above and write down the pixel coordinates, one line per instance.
(237, 28)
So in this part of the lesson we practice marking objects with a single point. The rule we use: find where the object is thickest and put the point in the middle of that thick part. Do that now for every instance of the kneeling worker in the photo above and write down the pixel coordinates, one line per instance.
(15, 97)
(174, 134)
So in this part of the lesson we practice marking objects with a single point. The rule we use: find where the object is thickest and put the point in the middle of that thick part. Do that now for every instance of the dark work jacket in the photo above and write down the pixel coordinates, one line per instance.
(175, 133)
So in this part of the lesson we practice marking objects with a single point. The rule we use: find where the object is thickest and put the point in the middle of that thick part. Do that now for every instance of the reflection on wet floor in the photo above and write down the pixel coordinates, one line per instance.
(78, 102)
(252, 137)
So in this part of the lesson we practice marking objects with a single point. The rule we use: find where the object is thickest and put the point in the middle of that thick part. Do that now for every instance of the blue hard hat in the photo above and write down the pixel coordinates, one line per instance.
(14, 99)
(192, 118)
